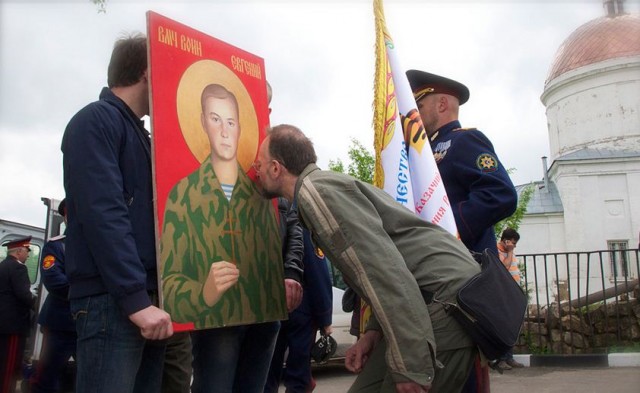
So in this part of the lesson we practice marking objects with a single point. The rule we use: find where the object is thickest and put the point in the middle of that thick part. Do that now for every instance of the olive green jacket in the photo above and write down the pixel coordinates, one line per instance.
(394, 260)
(202, 227)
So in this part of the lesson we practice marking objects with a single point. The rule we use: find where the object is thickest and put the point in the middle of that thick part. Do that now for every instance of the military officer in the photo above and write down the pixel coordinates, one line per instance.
(478, 186)
(55, 317)
(16, 303)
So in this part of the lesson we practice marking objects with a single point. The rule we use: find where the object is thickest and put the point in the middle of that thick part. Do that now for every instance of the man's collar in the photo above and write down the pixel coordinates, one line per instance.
(108, 95)
(305, 172)
(452, 125)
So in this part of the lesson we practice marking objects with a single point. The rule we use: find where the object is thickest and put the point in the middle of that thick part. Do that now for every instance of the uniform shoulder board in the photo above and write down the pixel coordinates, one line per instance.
(59, 237)
(465, 129)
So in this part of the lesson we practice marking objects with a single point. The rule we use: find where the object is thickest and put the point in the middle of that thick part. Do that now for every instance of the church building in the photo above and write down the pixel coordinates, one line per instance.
(589, 198)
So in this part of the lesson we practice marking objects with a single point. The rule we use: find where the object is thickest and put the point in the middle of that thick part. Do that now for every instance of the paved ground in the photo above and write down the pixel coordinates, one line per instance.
(565, 380)
(335, 379)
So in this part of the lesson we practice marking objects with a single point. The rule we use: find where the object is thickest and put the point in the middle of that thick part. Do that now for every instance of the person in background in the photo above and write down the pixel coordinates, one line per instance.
(351, 303)
(59, 341)
(110, 244)
(297, 334)
(177, 371)
(292, 244)
(506, 247)
(397, 262)
(292, 255)
(477, 184)
(16, 304)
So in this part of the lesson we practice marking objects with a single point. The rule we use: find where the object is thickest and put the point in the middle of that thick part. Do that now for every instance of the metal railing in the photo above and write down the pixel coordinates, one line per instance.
(581, 302)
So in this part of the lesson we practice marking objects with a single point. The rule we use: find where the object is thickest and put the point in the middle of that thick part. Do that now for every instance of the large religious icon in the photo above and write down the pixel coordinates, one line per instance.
(219, 248)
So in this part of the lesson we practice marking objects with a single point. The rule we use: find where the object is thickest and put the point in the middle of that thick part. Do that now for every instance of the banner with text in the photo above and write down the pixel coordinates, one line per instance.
(405, 166)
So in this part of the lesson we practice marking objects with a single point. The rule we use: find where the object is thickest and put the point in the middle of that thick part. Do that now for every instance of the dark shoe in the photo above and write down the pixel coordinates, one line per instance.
(502, 365)
(514, 364)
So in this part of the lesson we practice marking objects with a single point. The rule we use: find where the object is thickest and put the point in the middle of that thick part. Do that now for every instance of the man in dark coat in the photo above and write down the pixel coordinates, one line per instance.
(477, 184)
(297, 334)
(59, 342)
(16, 302)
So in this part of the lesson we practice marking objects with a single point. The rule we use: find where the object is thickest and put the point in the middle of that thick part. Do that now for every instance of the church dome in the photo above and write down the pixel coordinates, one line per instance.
(604, 38)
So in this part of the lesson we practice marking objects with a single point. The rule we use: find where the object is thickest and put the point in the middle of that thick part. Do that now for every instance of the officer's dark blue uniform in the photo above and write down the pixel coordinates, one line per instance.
(55, 318)
(478, 186)
(298, 333)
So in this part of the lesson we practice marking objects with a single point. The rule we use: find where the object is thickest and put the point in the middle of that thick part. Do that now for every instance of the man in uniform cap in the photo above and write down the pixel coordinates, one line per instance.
(478, 186)
(59, 342)
(16, 302)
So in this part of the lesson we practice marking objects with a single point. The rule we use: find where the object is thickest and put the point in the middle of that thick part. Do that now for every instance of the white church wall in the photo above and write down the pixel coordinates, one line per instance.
(595, 106)
(633, 179)
(600, 199)
(614, 204)
(541, 233)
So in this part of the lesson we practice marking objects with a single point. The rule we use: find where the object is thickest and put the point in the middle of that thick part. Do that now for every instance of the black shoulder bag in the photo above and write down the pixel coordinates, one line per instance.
(491, 307)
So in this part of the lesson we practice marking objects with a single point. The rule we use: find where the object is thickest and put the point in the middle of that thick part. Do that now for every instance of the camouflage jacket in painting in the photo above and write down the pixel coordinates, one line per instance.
(202, 227)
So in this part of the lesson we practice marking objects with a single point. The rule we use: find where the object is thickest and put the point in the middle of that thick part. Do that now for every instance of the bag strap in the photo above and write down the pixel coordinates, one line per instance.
(449, 307)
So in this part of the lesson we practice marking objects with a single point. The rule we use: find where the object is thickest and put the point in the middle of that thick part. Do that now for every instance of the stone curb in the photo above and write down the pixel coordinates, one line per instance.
(595, 360)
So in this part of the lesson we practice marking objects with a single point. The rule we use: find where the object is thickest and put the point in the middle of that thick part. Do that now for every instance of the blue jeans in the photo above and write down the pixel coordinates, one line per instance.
(233, 359)
(297, 335)
(113, 357)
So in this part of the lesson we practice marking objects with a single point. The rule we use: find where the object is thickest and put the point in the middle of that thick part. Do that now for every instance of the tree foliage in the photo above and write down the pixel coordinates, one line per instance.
(101, 4)
(336, 166)
(361, 162)
(516, 217)
(361, 166)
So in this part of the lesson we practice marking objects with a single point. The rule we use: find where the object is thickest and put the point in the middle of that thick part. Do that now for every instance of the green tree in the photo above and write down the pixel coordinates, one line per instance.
(516, 218)
(514, 222)
(361, 162)
(361, 166)
(336, 166)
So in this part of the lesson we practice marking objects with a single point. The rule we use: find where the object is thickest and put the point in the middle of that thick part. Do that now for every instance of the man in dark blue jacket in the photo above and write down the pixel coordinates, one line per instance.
(298, 333)
(477, 184)
(59, 342)
(110, 243)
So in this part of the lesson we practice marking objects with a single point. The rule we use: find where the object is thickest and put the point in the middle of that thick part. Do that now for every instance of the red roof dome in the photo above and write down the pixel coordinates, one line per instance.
(600, 39)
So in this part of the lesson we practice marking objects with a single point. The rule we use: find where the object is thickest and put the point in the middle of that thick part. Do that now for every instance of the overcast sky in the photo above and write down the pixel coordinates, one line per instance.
(319, 59)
